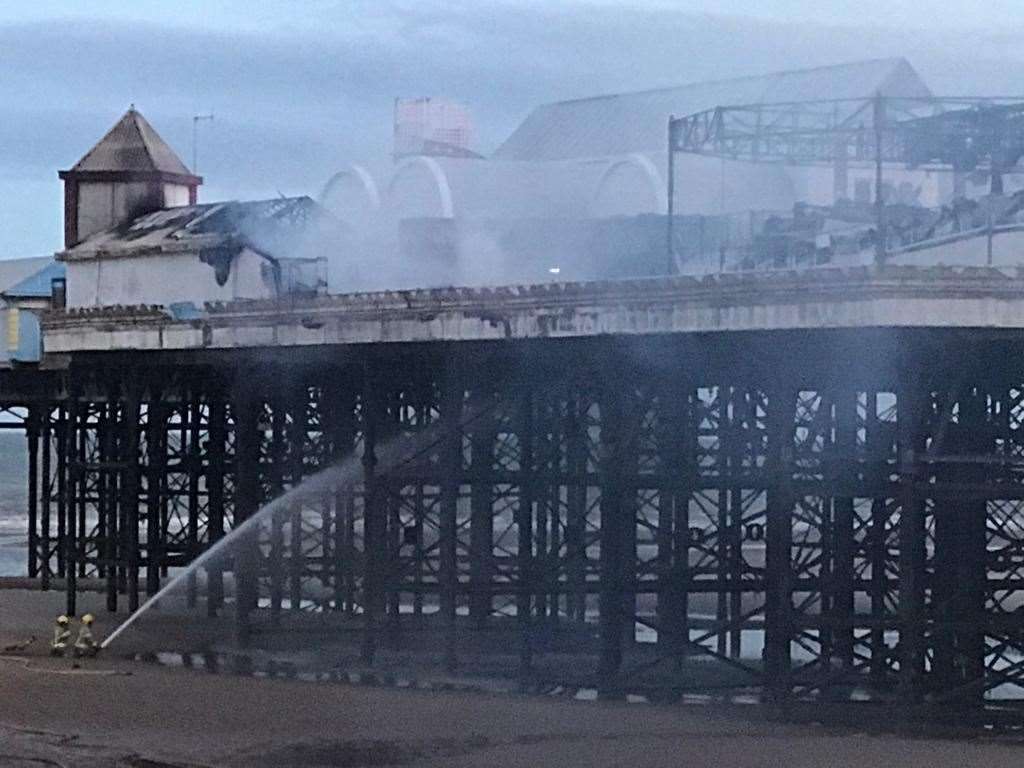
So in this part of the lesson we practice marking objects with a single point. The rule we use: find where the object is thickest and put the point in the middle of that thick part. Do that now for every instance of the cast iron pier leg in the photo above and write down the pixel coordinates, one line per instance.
(779, 541)
(374, 521)
(524, 526)
(451, 467)
(247, 494)
(912, 545)
(612, 541)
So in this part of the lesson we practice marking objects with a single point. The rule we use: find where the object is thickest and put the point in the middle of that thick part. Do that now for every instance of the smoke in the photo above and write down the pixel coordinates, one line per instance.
(292, 106)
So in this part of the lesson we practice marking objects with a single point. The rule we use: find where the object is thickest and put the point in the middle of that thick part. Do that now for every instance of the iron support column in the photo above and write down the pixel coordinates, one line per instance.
(912, 544)
(110, 551)
(63, 487)
(481, 525)
(247, 496)
(130, 490)
(778, 544)
(156, 479)
(275, 474)
(74, 483)
(297, 438)
(524, 528)
(216, 446)
(676, 440)
(47, 496)
(194, 462)
(612, 539)
(374, 521)
(576, 500)
(844, 476)
(451, 466)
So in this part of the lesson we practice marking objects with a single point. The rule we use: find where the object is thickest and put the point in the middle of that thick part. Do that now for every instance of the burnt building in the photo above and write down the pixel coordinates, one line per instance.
(135, 234)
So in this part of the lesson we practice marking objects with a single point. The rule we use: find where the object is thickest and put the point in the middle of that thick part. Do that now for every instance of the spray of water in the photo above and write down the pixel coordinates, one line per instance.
(346, 472)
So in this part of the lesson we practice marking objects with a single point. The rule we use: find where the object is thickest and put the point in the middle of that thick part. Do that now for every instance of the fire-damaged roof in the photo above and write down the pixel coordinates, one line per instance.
(280, 228)
(636, 122)
(131, 145)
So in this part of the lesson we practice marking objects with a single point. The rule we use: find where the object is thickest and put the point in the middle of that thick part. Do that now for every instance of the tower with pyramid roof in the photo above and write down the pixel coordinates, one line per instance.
(130, 172)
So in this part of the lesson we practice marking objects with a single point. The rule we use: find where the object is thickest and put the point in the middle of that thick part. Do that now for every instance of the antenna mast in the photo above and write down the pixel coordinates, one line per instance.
(195, 139)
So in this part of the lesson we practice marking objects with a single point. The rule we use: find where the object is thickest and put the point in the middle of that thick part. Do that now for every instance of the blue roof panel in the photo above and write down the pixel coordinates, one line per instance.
(37, 285)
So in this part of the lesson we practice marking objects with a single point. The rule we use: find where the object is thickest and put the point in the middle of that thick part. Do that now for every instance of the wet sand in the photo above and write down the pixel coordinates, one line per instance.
(115, 712)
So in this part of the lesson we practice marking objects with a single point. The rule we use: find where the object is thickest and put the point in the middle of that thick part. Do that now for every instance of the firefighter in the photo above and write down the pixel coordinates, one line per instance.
(85, 643)
(61, 636)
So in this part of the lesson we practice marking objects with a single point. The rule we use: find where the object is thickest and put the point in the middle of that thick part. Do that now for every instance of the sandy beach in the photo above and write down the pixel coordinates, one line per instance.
(114, 711)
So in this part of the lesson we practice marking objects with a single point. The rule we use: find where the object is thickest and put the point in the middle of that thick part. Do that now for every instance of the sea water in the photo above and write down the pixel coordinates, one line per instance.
(13, 503)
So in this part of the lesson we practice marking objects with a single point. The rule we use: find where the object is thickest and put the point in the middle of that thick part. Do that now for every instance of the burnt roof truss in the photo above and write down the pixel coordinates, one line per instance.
(961, 133)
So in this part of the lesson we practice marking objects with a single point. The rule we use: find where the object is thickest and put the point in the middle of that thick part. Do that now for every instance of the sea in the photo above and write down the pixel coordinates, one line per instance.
(13, 503)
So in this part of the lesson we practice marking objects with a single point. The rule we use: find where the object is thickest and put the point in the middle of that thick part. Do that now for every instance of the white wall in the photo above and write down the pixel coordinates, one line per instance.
(175, 195)
(164, 279)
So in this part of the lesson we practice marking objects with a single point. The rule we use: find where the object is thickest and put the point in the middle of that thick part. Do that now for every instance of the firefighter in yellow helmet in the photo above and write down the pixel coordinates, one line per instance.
(61, 636)
(85, 643)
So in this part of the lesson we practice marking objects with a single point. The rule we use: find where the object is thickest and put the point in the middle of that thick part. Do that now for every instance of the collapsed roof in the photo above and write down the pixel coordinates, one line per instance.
(278, 228)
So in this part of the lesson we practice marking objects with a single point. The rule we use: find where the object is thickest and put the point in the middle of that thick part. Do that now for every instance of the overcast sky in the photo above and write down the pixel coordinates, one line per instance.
(299, 88)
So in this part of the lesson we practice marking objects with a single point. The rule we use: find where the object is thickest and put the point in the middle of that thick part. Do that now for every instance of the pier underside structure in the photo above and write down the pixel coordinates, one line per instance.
(815, 500)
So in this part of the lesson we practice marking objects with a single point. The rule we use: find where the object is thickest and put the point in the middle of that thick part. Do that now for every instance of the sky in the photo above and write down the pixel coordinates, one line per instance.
(298, 89)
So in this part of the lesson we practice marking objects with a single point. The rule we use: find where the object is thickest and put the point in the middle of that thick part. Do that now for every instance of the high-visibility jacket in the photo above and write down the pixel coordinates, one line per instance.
(85, 640)
(61, 637)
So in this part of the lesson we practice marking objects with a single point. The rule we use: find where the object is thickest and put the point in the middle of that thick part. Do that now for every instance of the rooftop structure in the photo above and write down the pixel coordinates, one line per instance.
(37, 285)
(134, 233)
(130, 171)
(199, 253)
(620, 124)
(26, 287)
(14, 272)
(432, 126)
(601, 163)
(132, 145)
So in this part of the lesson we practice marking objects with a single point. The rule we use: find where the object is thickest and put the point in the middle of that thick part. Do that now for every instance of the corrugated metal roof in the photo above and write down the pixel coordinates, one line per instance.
(132, 145)
(38, 284)
(637, 122)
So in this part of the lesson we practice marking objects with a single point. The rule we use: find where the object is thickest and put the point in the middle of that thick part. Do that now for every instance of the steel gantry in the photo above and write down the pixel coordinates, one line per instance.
(962, 134)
